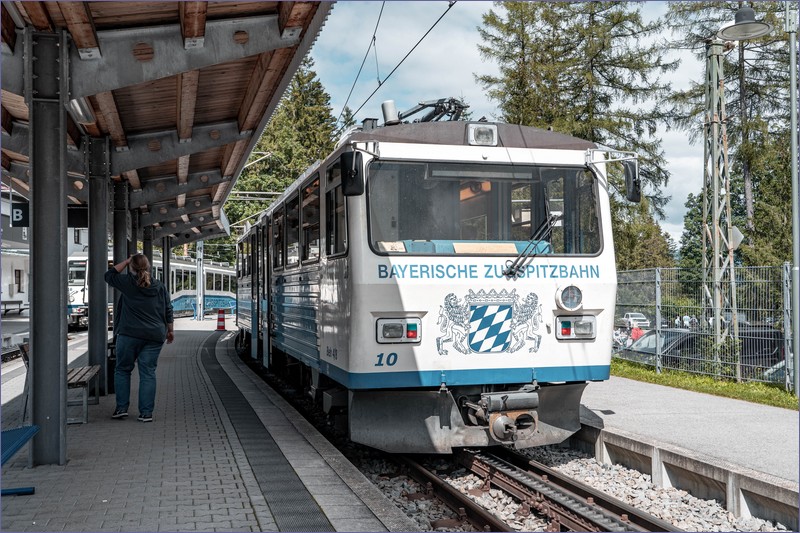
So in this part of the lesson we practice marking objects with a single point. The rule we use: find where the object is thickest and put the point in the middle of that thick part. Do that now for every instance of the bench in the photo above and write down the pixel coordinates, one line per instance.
(12, 440)
(77, 378)
(14, 305)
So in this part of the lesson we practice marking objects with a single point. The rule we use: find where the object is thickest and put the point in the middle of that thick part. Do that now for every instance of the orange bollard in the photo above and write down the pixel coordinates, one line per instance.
(220, 320)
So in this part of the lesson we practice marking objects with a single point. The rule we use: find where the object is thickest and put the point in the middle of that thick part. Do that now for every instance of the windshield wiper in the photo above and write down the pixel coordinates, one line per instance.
(516, 266)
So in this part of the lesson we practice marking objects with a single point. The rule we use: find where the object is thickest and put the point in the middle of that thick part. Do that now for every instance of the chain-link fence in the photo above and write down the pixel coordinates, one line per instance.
(681, 330)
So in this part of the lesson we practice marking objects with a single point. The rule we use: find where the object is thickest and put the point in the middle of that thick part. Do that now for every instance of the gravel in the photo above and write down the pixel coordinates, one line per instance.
(630, 486)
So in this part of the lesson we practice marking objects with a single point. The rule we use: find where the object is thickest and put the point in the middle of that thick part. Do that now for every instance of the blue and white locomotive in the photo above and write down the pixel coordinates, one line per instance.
(442, 283)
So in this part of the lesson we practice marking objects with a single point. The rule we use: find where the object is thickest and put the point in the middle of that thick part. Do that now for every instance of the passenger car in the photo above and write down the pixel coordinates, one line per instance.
(760, 349)
(636, 319)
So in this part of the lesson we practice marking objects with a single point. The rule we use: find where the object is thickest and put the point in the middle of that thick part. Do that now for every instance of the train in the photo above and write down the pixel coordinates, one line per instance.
(440, 284)
(220, 286)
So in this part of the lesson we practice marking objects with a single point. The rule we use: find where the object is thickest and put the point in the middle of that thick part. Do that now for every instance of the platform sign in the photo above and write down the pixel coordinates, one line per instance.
(20, 215)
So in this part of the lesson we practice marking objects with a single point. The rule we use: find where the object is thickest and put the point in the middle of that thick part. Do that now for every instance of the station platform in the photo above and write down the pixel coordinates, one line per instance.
(223, 453)
(226, 453)
(758, 437)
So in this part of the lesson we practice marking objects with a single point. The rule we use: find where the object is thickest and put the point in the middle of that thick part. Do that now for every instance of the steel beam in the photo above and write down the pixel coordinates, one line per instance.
(13, 67)
(147, 245)
(206, 232)
(168, 211)
(167, 188)
(154, 148)
(719, 275)
(179, 226)
(166, 257)
(46, 89)
(97, 169)
(133, 240)
(122, 63)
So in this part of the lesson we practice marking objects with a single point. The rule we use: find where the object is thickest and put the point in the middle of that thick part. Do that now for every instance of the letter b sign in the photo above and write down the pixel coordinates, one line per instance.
(19, 215)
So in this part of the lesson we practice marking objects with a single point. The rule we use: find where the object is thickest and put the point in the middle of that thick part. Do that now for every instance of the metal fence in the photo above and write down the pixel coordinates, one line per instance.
(681, 334)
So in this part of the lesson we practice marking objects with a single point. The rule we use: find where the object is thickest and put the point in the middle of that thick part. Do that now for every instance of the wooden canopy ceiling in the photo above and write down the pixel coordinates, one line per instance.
(182, 90)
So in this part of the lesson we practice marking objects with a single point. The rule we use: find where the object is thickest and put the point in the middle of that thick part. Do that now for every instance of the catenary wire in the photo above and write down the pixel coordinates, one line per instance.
(366, 54)
(451, 4)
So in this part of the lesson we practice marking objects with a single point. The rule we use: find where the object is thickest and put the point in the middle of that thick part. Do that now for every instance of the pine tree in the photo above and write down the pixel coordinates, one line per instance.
(691, 245)
(639, 241)
(581, 69)
(301, 131)
(756, 88)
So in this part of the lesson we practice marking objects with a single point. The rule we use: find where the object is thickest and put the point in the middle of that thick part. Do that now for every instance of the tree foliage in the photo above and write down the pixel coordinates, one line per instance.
(638, 239)
(300, 132)
(581, 69)
(756, 81)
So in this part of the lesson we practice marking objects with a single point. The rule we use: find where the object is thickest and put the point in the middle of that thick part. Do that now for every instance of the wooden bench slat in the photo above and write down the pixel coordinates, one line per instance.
(78, 377)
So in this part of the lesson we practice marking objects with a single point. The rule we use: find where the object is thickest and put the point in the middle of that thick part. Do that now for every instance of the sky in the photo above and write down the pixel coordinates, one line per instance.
(445, 64)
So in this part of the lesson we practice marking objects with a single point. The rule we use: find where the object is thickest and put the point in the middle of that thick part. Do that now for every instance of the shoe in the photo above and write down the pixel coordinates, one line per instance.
(119, 413)
(145, 418)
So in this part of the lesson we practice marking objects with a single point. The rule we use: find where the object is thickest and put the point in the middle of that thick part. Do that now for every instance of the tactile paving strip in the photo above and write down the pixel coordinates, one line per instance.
(292, 506)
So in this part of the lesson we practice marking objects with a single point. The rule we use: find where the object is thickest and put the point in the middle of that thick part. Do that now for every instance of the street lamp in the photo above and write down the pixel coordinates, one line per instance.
(791, 29)
(718, 232)
(745, 27)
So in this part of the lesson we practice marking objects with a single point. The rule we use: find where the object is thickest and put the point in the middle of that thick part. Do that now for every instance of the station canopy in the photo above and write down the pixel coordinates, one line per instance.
(182, 91)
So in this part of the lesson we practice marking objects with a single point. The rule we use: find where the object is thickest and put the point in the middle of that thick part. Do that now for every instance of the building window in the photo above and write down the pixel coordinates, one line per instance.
(77, 235)
(18, 280)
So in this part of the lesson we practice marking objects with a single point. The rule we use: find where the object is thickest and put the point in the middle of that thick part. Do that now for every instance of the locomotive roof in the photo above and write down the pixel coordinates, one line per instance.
(455, 132)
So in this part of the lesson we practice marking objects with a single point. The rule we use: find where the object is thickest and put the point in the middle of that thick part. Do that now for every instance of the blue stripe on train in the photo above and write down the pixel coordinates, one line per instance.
(434, 378)
(211, 303)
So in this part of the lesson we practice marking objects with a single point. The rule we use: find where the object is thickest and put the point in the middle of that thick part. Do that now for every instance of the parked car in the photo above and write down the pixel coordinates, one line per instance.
(761, 351)
(644, 349)
(636, 319)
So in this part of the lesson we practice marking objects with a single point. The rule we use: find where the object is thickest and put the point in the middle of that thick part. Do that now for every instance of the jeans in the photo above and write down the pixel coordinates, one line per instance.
(145, 354)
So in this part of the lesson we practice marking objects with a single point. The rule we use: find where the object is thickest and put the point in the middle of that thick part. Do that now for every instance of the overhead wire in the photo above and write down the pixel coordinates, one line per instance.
(366, 54)
(380, 84)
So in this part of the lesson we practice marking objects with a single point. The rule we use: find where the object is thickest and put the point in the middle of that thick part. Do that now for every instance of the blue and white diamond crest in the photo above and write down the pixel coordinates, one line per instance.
(489, 322)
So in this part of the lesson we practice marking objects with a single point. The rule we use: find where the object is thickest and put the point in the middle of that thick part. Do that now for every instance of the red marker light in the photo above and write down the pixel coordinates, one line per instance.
(566, 328)
(411, 331)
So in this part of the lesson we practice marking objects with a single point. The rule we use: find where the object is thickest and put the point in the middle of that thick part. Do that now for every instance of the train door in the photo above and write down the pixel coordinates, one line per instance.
(254, 293)
(265, 284)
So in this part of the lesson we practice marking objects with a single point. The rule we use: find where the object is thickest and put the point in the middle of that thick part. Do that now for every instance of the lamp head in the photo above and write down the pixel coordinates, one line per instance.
(744, 27)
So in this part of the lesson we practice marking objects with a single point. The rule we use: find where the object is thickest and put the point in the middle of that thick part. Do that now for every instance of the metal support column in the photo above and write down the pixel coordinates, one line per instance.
(98, 166)
(147, 245)
(46, 91)
(791, 29)
(200, 286)
(133, 243)
(120, 229)
(718, 267)
(166, 257)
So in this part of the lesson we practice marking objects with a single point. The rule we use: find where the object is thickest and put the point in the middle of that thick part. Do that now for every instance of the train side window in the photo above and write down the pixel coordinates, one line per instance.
(335, 213)
(293, 231)
(277, 239)
(310, 221)
(265, 251)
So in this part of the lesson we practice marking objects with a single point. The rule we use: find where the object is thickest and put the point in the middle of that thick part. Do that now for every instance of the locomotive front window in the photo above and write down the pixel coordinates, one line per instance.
(77, 273)
(484, 209)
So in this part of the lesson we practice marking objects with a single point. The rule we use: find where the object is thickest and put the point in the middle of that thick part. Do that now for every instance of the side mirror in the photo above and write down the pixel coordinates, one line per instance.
(351, 165)
(633, 185)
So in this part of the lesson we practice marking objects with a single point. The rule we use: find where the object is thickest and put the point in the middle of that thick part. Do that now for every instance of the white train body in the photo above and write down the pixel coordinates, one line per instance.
(220, 283)
(413, 323)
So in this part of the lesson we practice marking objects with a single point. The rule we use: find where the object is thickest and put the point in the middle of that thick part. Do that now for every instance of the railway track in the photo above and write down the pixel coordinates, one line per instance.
(569, 505)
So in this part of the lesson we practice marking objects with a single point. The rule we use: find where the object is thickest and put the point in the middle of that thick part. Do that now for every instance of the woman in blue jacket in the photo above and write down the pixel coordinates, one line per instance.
(142, 323)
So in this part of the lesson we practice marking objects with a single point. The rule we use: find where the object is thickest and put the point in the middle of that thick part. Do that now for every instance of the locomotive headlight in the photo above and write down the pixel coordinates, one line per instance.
(569, 298)
(576, 327)
(482, 134)
(392, 330)
(398, 330)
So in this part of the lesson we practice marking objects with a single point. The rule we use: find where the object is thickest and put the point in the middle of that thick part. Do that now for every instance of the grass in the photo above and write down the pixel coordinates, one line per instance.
(755, 392)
